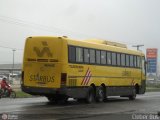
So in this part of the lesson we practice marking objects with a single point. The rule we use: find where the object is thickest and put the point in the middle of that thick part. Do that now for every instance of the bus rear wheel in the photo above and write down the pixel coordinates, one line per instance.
(51, 99)
(90, 98)
(58, 99)
(100, 97)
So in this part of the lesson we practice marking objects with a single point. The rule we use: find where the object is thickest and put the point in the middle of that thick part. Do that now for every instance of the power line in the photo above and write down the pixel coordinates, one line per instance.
(23, 23)
(39, 26)
(10, 48)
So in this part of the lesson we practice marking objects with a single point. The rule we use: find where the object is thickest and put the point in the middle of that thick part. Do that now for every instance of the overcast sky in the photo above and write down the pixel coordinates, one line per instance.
(127, 21)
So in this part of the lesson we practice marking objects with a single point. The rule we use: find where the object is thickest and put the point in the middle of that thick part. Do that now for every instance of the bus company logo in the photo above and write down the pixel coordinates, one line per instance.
(45, 50)
(87, 77)
(41, 78)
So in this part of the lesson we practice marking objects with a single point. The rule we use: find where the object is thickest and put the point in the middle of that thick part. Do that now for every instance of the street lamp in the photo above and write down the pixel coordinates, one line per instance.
(13, 63)
(137, 46)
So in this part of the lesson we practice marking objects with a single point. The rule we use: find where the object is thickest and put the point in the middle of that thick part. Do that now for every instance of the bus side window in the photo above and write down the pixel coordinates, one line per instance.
(109, 58)
(98, 58)
(103, 57)
(79, 54)
(92, 56)
(131, 60)
(72, 54)
(118, 59)
(114, 62)
(138, 62)
(135, 61)
(123, 60)
(86, 55)
(127, 60)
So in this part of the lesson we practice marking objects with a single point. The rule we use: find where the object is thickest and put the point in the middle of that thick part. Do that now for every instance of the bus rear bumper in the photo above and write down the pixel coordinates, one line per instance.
(41, 91)
(68, 91)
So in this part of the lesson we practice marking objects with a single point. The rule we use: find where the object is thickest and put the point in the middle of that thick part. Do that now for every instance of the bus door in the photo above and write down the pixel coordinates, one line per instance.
(143, 75)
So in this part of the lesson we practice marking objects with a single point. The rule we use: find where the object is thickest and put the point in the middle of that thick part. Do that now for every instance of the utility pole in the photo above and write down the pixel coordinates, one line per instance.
(138, 46)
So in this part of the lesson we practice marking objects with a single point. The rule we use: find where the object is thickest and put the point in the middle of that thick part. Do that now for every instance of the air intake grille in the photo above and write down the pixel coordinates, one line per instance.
(72, 82)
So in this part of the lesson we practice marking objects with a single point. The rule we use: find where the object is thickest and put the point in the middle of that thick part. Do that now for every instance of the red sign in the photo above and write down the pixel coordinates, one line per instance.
(151, 52)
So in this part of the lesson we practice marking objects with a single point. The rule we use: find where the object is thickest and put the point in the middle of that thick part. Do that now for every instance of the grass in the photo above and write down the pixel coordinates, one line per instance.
(152, 89)
(153, 85)
(20, 94)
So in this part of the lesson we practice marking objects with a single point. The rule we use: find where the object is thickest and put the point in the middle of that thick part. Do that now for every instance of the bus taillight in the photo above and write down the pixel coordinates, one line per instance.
(22, 77)
(63, 79)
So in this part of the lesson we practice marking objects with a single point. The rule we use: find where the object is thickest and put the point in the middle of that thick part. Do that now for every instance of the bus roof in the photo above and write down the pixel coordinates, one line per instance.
(98, 44)
(104, 45)
(106, 42)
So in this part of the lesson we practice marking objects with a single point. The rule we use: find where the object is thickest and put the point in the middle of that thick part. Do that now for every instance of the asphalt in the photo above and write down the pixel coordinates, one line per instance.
(145, 107)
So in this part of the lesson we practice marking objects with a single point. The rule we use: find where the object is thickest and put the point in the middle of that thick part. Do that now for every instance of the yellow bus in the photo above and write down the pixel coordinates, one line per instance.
(91, 70)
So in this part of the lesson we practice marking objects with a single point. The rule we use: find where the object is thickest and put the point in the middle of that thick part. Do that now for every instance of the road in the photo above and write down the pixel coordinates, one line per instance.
(116, 108)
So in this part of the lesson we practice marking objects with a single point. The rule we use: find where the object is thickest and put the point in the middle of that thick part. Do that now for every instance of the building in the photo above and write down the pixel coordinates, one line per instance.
(10, 72)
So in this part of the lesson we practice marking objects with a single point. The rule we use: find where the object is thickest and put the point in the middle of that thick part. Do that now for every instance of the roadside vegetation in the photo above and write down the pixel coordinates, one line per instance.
(153, 87)
(20, 94)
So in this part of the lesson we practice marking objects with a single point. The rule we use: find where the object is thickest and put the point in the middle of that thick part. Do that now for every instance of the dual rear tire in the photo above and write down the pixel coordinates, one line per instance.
(95, 95)
(100, 96)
